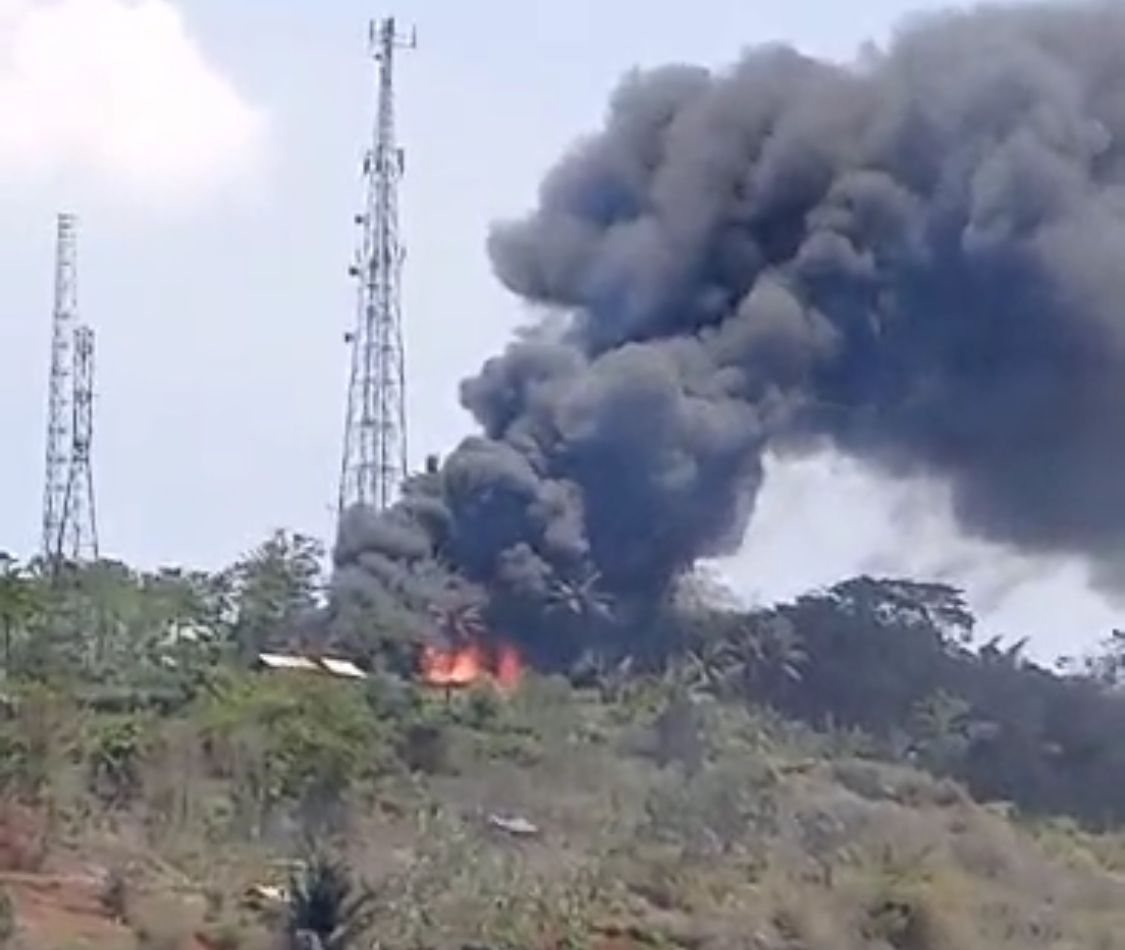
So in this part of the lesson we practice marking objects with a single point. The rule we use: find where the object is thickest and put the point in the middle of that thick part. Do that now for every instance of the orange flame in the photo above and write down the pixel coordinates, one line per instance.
(469, 664)
(454, 667)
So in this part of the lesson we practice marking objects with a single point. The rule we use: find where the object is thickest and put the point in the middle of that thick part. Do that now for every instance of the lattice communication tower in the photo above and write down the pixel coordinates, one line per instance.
(80, 523)
(69, 514)
(375, 442)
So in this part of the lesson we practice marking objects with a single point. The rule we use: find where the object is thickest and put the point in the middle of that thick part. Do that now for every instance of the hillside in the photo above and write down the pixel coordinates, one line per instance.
(850, 770)
(514, 714)
(662, 821)
(795, 778)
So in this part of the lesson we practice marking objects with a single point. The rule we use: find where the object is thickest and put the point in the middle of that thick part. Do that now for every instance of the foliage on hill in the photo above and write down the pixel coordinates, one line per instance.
(760, 774)
(894, 659)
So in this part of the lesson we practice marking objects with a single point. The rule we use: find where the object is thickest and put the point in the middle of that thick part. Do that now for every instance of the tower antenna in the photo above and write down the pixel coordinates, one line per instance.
(375, 443)
(69, 531)
(80, 524)
(60, 414)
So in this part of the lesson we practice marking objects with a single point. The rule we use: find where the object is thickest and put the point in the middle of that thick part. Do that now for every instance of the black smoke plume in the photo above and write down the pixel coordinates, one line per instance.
(918, 258)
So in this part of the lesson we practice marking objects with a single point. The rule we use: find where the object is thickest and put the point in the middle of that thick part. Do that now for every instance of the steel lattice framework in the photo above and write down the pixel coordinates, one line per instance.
(80, 524)
(375, 438)
(60, 413)
(69, 524)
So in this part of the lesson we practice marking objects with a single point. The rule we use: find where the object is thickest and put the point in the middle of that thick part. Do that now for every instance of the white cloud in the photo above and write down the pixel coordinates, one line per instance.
(826, 518)
(119, 89)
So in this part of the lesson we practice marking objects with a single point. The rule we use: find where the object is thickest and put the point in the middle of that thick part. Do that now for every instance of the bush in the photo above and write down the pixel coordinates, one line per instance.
(522, 748)
(20, 773)
(114, 754)
(912, 919)
(678, 736)
(162, 925)
(484, 708)
(296, 739)
(390, 697)
(114, 897)
(36, 741)
(425, 747)
(716, 812)
(8, 926)
(224, 936)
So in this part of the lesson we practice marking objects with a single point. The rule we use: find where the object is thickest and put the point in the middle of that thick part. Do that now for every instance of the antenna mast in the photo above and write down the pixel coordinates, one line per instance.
(374, 462)
(80, 526)
(68, 496)
(59, 409)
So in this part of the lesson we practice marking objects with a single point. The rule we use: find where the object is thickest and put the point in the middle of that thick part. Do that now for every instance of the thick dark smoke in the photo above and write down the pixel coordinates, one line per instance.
(919, 258)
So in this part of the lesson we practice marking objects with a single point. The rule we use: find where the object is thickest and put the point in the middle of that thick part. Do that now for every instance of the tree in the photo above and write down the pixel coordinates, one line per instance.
(582, 597)
(273, 589)
(461, 623)
(585, 616)
(115, 754)
(1105, 666)
(752, 656)
(291, 744)
(936, 608)
(108, 623)
(939, 727)
(887, 655)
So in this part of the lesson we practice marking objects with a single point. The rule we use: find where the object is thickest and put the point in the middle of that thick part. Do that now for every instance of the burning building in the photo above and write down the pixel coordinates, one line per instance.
(468, 664)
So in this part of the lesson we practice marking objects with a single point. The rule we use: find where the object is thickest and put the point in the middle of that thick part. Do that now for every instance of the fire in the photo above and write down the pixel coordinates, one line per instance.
(465, 665)
(453, 667)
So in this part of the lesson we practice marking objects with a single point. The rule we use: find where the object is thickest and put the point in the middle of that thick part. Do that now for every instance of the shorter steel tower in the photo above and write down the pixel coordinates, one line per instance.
(80, 523)
(374, 462)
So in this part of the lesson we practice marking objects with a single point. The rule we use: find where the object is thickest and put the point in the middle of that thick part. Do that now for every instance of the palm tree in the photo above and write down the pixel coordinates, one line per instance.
(780, 650)
(461, 623)
(327, 909)
(582, 597)
(748, 656)
(994, 652)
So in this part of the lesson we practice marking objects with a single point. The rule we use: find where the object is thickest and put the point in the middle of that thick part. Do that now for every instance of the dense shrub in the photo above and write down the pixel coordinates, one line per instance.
(893, 658)
(301, 739)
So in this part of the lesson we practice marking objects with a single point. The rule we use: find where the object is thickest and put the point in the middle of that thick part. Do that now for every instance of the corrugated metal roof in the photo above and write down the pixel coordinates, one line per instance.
(332, 665)
(342, 668)
(279, 661)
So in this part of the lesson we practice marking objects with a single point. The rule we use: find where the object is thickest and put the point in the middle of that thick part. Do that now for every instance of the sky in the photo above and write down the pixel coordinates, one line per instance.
(212, 152)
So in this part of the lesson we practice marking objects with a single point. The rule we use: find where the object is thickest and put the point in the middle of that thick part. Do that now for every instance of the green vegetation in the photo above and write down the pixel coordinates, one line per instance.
(798, 778)
(7, 920)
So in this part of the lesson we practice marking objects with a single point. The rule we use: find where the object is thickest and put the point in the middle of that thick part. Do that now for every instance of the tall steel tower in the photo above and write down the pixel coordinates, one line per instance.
(69, 528)
(374, 462)
(60, 412)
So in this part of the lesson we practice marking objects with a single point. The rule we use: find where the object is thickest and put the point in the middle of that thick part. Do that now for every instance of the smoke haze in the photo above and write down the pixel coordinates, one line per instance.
(916, 259)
